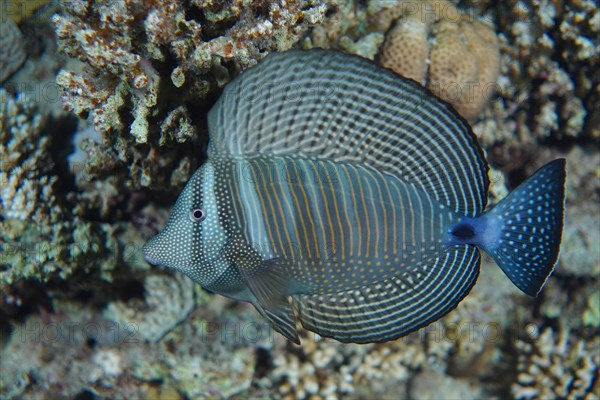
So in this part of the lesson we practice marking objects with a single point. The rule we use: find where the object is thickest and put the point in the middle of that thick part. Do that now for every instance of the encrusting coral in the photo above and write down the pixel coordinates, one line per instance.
(454, 55)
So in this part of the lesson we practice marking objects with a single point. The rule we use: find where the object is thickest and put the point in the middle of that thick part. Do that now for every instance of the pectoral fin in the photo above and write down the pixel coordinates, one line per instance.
(270, 286)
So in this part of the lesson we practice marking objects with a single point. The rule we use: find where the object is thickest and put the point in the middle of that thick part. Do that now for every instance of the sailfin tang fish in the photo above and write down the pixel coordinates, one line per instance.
(341, 195)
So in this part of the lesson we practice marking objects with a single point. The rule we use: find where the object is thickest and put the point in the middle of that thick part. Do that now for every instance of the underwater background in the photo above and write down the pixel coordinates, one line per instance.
(102, 122)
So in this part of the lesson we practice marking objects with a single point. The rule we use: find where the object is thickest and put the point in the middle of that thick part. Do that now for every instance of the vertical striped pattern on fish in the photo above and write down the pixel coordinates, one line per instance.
(331, 105)
(340, 225)
(394, 307)
(358, 194)
(237, 176)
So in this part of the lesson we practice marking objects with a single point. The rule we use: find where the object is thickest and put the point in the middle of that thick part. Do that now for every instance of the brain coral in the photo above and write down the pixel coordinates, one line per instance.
(454, 55)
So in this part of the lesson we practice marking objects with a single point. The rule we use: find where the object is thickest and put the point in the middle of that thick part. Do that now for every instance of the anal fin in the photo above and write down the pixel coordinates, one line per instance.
(394, 307)
(282, 317)
(270, 286)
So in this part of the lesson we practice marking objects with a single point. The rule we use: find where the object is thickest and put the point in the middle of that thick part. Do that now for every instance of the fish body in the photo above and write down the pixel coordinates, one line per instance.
(355, 193)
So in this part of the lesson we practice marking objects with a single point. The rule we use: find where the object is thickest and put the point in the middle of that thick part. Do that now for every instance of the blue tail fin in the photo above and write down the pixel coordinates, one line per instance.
(530, 224)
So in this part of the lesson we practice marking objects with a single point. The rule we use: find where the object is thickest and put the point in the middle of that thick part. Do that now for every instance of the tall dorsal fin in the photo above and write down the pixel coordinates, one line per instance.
(324, 103)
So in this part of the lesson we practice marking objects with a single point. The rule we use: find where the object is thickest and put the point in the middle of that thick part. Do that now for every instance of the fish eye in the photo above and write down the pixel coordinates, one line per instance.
(197, 214)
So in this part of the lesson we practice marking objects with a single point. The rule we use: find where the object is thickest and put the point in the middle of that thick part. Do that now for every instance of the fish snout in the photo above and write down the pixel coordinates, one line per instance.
(154, 253)
(148, 254)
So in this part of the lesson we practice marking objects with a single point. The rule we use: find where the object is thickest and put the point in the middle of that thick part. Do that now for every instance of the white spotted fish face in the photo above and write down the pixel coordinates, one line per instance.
(193, 239)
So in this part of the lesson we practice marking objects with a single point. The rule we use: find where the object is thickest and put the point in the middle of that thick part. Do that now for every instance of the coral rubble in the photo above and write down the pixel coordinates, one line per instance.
(74, 351)
(329, 369)
(434, 385)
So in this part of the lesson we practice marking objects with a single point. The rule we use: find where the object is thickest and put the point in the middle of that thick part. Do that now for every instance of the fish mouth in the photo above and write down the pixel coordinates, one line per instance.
(151, 260)
(149, 257)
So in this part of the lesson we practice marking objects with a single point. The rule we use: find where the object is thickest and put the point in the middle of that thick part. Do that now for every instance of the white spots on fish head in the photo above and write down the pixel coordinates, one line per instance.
(193, 239)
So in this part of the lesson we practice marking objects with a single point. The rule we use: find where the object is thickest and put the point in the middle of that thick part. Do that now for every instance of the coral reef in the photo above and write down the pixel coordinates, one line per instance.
(149, 69)
(167, 301)
(463, 342)
(12, 49)
(330, 369)
(454, 54)
(557, 365)
(81, 313)
(40, 238)
(548, 89)
(450, 53)
(73, 351)
(432, 385)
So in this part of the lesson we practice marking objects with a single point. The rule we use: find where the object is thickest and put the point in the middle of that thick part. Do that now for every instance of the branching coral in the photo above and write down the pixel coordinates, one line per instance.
(549, 83)
(311, 370)
(167, 301)
(557, 365)
(329, 369)
(40, 238)
(151, 65)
